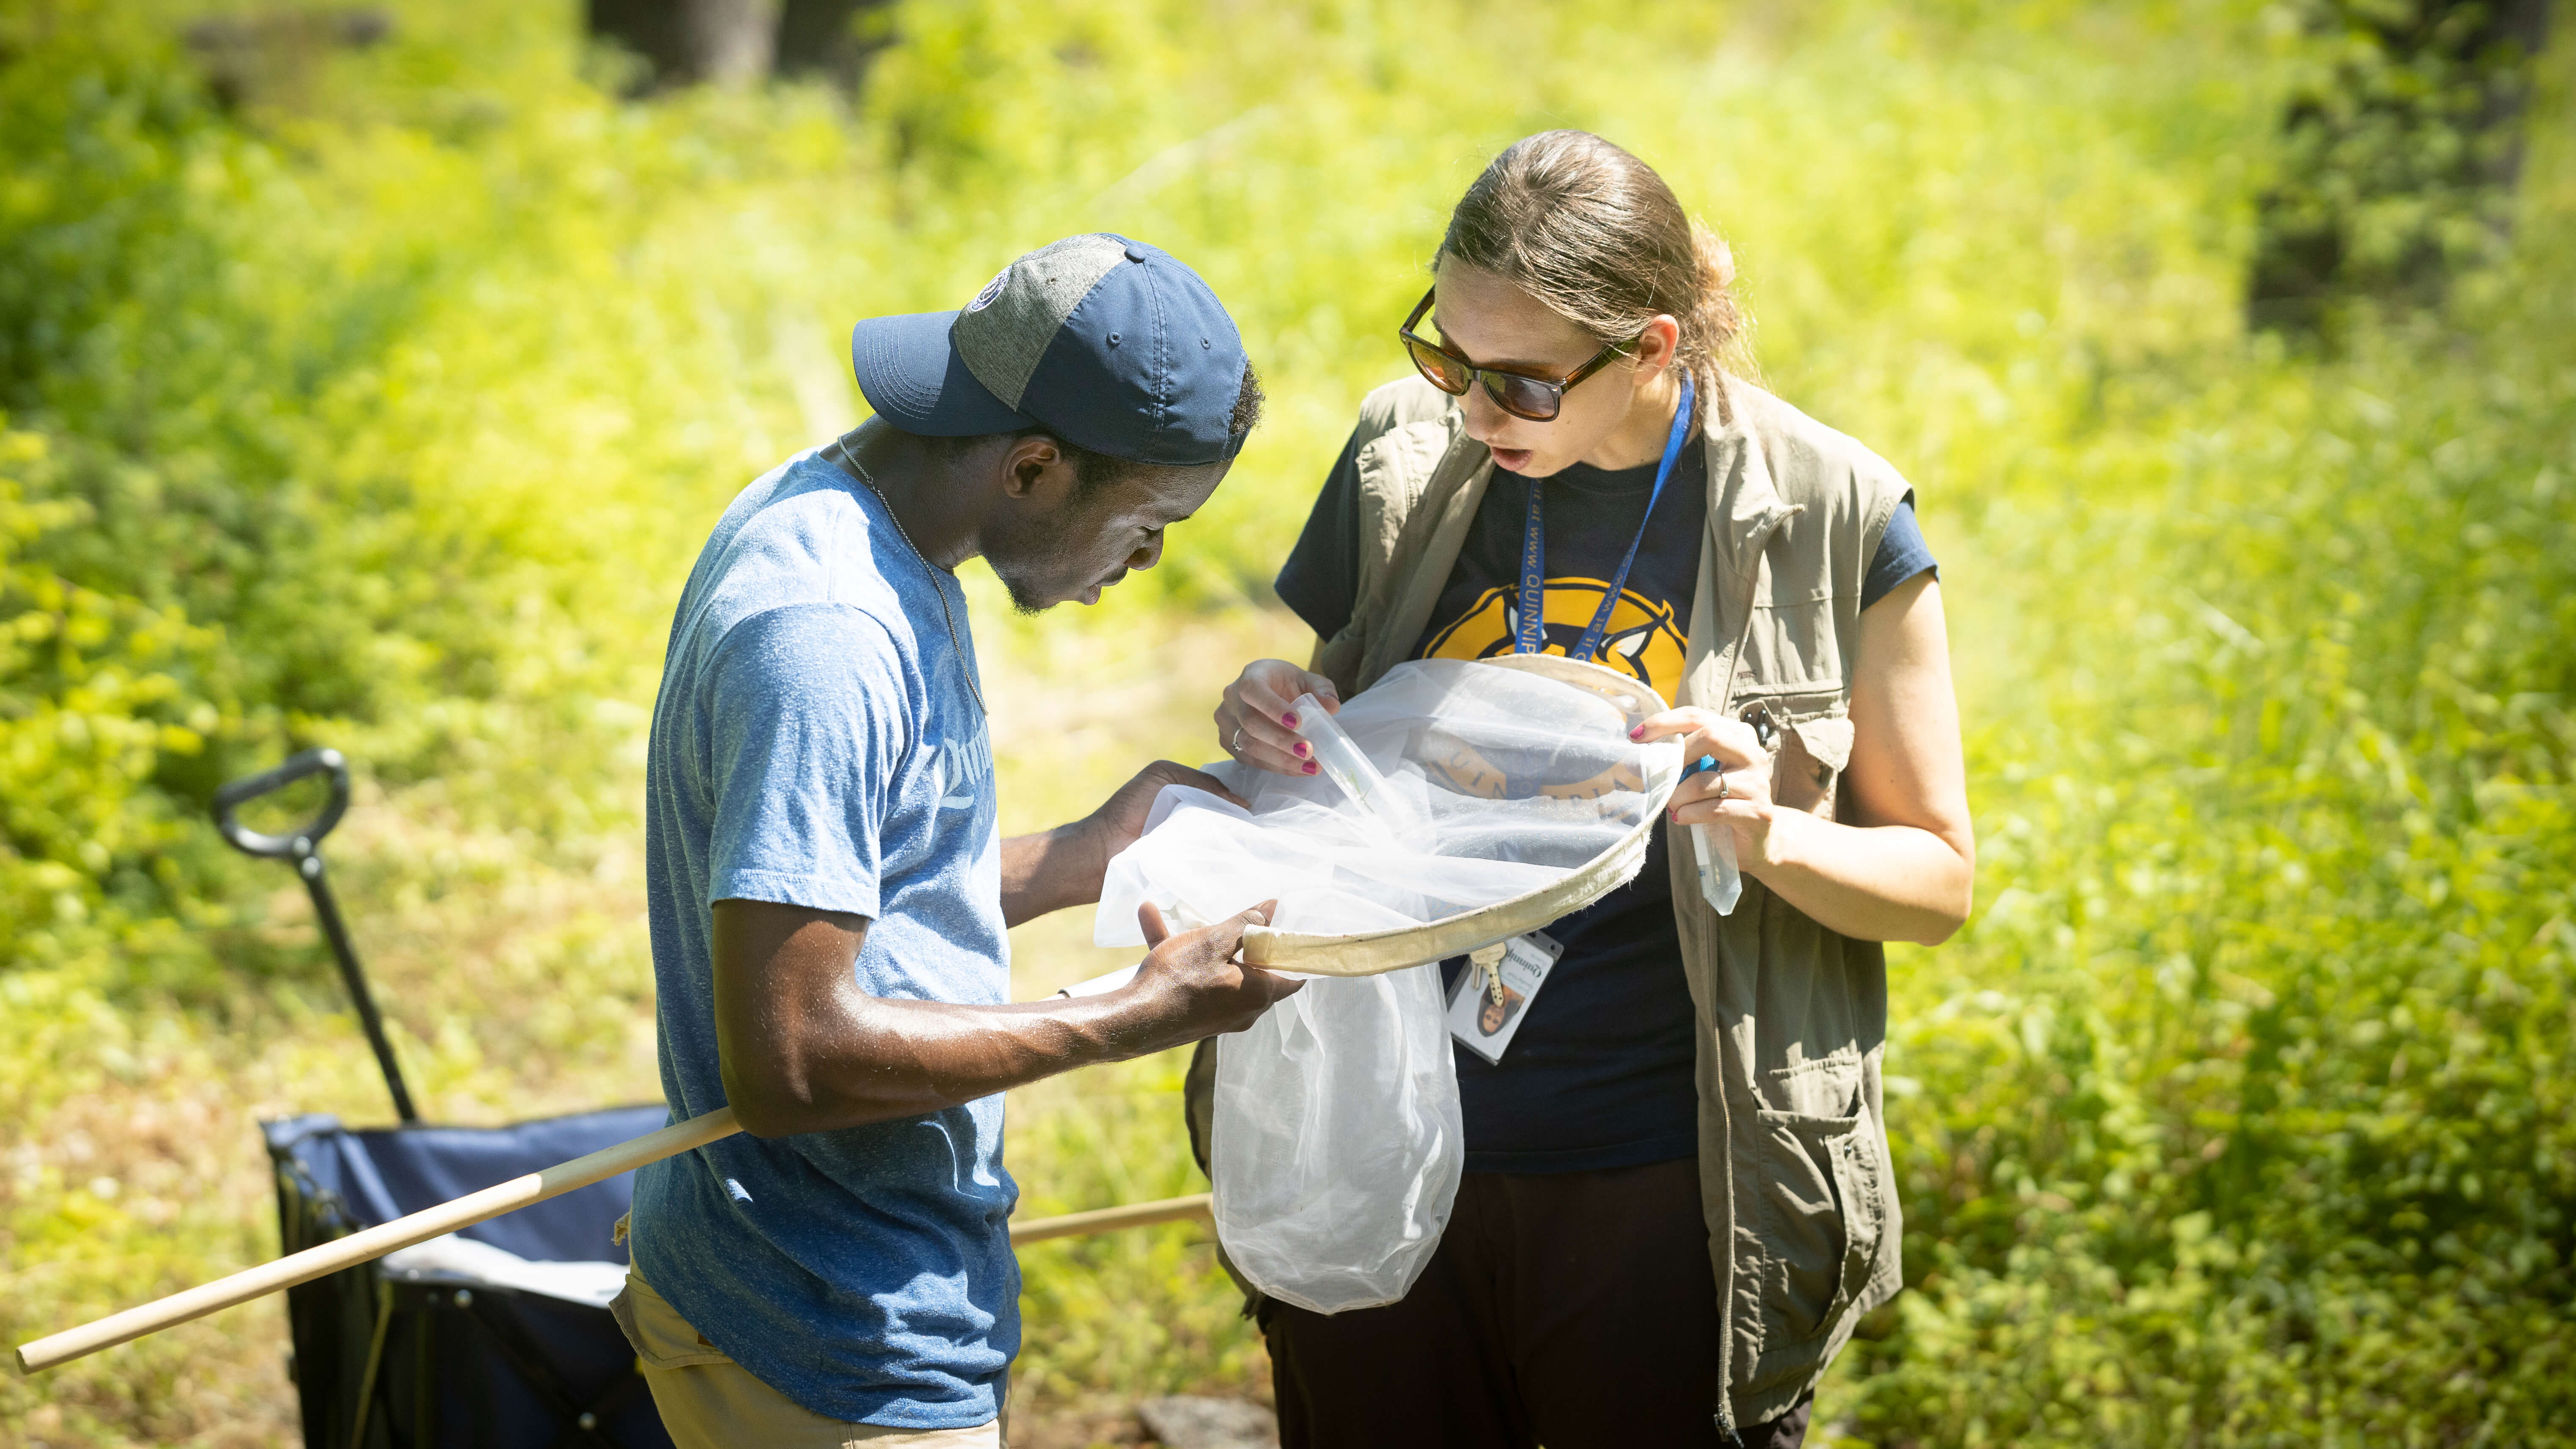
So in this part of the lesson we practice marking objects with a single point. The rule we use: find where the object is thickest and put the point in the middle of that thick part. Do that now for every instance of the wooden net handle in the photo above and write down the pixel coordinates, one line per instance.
(373, 1243)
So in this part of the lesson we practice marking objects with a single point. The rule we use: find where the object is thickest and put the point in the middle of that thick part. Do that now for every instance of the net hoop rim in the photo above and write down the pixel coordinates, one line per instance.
(1373, 953)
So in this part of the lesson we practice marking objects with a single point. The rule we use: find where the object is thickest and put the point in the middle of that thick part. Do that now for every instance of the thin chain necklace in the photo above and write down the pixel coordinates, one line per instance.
(839, 453)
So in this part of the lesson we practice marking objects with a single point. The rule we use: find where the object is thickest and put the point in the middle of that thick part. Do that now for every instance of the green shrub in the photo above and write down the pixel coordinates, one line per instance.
(2241, 1116)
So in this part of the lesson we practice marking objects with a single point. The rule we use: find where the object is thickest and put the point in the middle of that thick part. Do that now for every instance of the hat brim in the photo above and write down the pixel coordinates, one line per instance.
(915, 380)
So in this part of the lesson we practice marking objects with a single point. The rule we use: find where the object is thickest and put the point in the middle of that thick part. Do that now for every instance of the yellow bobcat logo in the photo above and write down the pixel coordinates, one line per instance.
(1643, 640)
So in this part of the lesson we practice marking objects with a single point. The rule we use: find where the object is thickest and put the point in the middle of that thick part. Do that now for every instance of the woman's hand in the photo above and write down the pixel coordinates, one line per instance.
(1255, 723)
(1735, 790)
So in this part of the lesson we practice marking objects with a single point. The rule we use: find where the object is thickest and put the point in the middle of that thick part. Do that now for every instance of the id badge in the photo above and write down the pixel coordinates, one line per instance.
(1486, 1026)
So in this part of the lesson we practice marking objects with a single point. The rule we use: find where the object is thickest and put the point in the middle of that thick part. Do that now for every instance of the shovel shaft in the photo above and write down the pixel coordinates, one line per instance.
(326, 909)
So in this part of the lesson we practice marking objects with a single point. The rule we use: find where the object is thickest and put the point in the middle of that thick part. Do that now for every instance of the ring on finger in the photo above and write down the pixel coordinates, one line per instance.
(1235, 746)
(1723, 790)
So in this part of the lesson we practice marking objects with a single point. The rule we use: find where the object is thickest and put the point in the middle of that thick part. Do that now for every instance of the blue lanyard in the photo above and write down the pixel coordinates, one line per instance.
(1531, 636)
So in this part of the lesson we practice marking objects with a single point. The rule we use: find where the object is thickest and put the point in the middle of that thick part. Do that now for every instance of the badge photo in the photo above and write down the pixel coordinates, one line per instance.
(1486, 1025)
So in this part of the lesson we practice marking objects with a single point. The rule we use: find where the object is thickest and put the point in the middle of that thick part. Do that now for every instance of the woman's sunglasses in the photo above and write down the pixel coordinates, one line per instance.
(1537, 399)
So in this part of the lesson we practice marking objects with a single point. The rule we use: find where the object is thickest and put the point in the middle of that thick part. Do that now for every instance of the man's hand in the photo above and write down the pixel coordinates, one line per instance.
(1121, 818)
(1190, 986)
(1063, 867)
(804, 1048)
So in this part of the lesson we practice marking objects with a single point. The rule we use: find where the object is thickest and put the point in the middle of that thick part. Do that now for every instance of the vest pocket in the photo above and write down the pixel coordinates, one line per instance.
(1821, 1208)
(1813, 747)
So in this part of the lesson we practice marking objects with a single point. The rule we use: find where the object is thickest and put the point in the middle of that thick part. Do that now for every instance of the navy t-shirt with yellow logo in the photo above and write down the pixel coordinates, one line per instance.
(1601, 1073)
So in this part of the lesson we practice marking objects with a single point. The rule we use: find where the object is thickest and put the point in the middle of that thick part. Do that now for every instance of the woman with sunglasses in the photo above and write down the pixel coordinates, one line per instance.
(1678, 1202)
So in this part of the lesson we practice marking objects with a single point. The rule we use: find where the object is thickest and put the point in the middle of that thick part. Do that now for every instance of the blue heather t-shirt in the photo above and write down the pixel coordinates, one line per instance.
(816, 743)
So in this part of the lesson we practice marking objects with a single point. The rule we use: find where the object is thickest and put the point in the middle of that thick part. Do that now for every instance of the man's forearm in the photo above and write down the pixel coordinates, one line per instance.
(1050, 871)
(860, 1059)
(804, 1049)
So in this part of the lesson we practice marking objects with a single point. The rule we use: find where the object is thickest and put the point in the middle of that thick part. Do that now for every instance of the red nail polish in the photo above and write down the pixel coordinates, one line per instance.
(1289, 720)
(1638, 733)
(1310, 767)
(1302, 750)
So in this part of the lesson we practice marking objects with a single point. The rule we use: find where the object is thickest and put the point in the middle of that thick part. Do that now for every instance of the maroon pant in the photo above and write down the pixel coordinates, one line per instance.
(1567, 1309)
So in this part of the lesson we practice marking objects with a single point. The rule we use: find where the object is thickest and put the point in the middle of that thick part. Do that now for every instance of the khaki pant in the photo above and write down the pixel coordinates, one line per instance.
(710, 1402)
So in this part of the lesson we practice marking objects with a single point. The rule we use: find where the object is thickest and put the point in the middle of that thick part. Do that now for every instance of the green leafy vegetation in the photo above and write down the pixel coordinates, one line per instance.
(2241, 1115)
(386, 409)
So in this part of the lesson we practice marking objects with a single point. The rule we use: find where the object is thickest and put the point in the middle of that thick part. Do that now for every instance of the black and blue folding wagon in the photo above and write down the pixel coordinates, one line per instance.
(495, 1335)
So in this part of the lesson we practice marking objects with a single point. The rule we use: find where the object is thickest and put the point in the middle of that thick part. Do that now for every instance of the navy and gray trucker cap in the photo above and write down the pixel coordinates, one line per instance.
(1110, 344)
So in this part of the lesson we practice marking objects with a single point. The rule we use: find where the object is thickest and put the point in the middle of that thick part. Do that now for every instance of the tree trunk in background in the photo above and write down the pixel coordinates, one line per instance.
(2401, 162)
(269, 58)
(831, 39)
(684, 42)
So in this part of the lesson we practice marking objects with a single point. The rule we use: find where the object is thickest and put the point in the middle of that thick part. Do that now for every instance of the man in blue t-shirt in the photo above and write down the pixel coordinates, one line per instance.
(828, 885)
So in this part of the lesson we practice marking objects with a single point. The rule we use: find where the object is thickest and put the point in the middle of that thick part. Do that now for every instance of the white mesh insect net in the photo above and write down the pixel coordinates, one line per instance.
(1461, 803)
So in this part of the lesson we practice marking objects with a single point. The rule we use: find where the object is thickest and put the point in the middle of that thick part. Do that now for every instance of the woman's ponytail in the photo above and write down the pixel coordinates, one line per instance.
(1596, 235)
(1725, 329)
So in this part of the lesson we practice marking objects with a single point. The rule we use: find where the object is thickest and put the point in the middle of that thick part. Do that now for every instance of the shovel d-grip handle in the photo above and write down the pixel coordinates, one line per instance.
(303, 847)
(301, 841)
